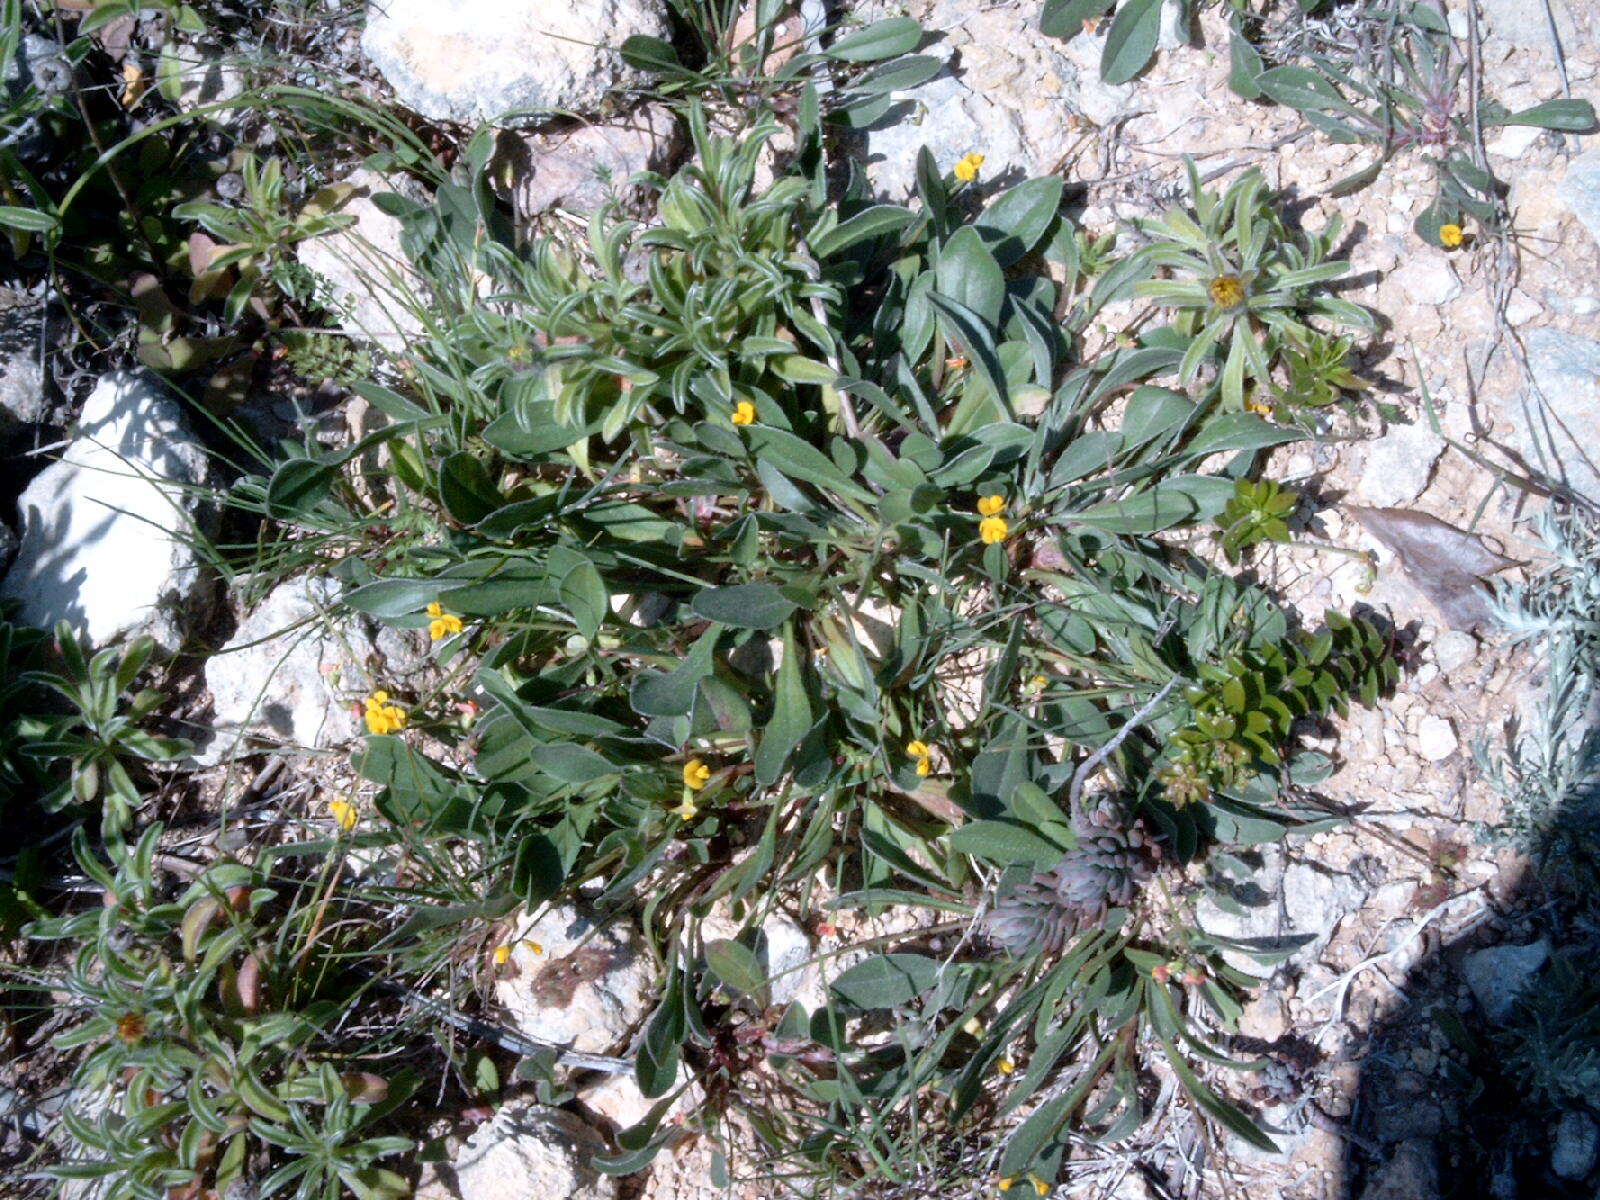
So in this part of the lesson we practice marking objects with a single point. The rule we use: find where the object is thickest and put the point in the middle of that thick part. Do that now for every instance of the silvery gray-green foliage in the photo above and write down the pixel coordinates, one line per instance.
(1549, 774)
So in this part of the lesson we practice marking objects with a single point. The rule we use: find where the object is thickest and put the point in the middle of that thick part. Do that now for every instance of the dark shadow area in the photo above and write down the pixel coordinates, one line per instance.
(1482, 1082)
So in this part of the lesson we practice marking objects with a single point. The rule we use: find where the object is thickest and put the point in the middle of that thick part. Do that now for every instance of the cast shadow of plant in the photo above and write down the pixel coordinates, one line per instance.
(1481, 1082)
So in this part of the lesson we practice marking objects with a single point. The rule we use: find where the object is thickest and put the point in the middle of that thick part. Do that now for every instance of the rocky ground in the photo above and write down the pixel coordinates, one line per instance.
(1418, 925)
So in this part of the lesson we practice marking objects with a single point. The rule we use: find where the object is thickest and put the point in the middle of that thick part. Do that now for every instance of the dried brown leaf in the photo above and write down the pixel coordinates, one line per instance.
(1447, 565)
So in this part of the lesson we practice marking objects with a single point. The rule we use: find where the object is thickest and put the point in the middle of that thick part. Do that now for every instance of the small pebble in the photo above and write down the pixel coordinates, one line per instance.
(1436, 740)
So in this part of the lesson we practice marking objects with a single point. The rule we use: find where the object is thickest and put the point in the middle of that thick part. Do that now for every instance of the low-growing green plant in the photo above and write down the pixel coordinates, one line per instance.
(203, 1035)
(1243, 285)
(100, 731)
(1258, 512)
(809, 529)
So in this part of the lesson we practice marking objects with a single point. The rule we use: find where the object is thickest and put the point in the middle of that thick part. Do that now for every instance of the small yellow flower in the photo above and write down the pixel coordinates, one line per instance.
(502, 955)
(1452, 235)
(442, 624)
(967, 168)
(383, 717)
(533, 947)
(1040, 1187)
(1006, 1066)
(1226, 291)
(344, 814)
(991, 506)
(744, 413)
(922, 753)
(993, 530)
(695, 774)
(1005, 1184)
(1260, 407)
(687, 810)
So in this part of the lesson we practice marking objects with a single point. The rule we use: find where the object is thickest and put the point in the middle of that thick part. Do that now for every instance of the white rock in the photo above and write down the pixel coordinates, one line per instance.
(581, 169)
(1436, 740)
(1003, 94)
(275, 679)
(1399, 465)
(1579, 190)
(475, 60)
(1454, 649)
(568, 985)
(22, 394)
(363, 273)
(1521, 307)
(1427, 278)
(1282, 904)
(1514, 141)
(527, 1152)
(1565, 401)
(1498, 975)
(108, 532)
(1577, 1141)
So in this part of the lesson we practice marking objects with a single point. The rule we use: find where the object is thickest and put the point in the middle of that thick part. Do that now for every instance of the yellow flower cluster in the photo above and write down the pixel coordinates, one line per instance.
(1226, 291)
(993, 528)
(744, 413)
(967, 168)
(344, 814)
(440, 623)
(922, 755)
(383, 717)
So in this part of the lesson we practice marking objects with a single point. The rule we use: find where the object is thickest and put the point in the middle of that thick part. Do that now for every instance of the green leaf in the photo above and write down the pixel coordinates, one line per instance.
(1131, 40)
(878, 221)
(672, 695)
(1570, 116)
(536, 871)
(651, 54)
(583, 592)
(1300, 89)
(881, 39)
(1240, 431)
(466, 489)
(1236, 1122)
(736, 965)
(1004, 842)
(791, 716)
(297, 487)
(800, 460)
(29, 220)
(1065, 18)
(1016, 220)
(970, 275)
(744, 606)
(887, 981)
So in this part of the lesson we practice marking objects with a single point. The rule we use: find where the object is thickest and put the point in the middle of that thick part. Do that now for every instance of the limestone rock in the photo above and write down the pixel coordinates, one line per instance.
(1498, 975)
(1577, 1142)
(363, 273)
(1566, 378)
(275, 681)
(1436, 739)
(1282, 905)
(1426, 278)
(569, 985)
(108, 531)
(1412, 1174)
(1454, 650)
(581, 169)
(1003, 93)
(22, 391)
(1579, 190)
(527, 1152)
(475, 60)
(1399, 464)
